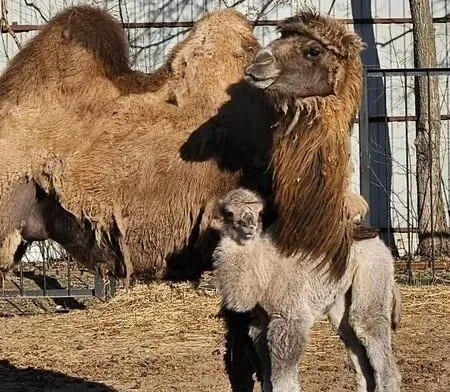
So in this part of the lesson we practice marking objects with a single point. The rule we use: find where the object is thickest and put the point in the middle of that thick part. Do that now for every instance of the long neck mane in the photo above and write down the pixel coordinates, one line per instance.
(311, 177)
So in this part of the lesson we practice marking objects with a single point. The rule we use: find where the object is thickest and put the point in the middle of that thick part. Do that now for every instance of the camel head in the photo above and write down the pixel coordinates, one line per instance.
(241, 212)
(310, 59)
(312, 75)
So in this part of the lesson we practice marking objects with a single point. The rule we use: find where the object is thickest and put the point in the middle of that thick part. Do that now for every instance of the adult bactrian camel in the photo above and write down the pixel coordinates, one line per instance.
(142, 175)
(312, 73)
(132, 151)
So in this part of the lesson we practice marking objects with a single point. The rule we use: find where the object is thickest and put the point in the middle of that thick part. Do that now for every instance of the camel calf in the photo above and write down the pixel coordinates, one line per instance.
(287, 295)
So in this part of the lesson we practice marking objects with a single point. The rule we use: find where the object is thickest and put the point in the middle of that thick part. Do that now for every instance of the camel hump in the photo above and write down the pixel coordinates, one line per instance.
(97, 31)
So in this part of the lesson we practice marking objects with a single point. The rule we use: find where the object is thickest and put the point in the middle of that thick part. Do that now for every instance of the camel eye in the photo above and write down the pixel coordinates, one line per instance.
(312, 53)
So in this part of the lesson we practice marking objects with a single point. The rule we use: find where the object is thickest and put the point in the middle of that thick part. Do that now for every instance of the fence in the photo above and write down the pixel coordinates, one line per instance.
(392, 176)
(153, 27)
(47, 271)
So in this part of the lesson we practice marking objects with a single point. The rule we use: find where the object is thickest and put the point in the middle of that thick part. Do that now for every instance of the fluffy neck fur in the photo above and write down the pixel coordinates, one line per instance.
(311, 173)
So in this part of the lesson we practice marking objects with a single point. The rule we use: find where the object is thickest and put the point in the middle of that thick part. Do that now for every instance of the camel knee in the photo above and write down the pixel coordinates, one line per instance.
(8, 249)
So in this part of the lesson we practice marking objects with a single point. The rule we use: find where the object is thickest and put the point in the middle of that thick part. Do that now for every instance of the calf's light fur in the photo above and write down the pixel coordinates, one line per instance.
(286, 295)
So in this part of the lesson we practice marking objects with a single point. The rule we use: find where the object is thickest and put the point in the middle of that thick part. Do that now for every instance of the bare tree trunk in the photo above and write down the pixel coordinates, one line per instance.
(433, 229)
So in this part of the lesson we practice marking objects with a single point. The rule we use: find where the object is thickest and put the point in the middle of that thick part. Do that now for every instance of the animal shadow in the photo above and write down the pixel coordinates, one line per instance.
(237, 135)
(14, 379)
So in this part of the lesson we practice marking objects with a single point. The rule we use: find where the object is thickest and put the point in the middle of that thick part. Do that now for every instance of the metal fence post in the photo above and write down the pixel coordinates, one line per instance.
(364, 148)
(99, 288)
(104, 290)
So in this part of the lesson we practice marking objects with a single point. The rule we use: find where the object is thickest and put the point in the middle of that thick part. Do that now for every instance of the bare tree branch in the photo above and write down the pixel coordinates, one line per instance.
(263, 10)
(5, 26)
(141, 48)
(164, 40)
(331, 7)
(122, 20)
(36, 8)
(394, 39)
(235, 4)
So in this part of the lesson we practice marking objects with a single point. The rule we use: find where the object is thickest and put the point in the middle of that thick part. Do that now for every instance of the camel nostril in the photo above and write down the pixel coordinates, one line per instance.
(248, 70)
(264, 56)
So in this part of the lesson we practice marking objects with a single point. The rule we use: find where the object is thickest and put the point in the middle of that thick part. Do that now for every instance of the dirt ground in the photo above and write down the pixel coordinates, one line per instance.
(161, 338)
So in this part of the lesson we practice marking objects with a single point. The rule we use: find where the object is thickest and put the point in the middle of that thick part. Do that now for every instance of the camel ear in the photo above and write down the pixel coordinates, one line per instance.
(217, 220)
(353, 43)
(221, 205)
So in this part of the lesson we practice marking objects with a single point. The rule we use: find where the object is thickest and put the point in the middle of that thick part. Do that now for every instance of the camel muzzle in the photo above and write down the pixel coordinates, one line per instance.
(263, 71)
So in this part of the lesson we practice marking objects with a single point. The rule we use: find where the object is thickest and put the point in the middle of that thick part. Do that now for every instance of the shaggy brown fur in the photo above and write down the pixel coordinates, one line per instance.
(313, 74)
(122, 172)
(80, 59)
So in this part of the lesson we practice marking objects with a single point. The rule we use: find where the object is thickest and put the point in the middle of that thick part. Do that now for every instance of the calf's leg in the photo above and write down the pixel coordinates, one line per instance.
(370, 317)
(286, 341)
(338, 316)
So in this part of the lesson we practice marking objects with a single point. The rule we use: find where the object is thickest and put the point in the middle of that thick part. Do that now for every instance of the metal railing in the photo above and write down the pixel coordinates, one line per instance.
(405, 181)
(54, 277)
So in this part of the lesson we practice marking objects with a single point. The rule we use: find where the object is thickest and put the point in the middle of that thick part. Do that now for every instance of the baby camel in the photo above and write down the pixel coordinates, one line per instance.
(286, 295)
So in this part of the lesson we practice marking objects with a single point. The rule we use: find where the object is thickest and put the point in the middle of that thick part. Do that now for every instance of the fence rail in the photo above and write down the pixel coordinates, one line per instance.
(98, 288)
(25, 28)
(392, 172)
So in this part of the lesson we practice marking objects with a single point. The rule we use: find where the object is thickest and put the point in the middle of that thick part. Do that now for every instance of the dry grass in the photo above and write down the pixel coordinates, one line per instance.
(176, 314)
(167, 338)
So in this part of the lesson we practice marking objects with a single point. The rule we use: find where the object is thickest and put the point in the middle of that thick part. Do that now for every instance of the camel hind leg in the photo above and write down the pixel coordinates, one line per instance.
(370, 317)
(338, 316)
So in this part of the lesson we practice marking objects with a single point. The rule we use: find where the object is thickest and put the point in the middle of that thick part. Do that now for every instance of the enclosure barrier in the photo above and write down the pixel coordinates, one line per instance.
(49, 286)
(404, 164)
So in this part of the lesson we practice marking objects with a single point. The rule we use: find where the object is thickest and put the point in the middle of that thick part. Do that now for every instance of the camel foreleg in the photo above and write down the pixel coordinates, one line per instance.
(286, 341)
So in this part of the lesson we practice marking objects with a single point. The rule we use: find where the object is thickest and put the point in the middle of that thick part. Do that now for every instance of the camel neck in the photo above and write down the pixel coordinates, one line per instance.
(310, 176)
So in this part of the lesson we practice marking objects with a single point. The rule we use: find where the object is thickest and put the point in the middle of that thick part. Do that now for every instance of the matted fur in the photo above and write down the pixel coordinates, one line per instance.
(311, 160)
(121, 171)
(80, 59)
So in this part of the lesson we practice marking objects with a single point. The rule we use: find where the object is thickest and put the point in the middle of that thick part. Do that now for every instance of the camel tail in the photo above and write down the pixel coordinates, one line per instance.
(396, 308)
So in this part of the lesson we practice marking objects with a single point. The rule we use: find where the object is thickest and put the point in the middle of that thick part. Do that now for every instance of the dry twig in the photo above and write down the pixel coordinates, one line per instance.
(5, 26)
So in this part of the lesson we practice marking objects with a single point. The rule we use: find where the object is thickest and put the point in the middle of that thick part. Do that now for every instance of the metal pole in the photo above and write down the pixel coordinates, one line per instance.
(364, 148)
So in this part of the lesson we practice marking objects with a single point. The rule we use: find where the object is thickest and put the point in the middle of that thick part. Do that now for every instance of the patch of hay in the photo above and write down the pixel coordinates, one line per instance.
(167, 337)
(176, 314)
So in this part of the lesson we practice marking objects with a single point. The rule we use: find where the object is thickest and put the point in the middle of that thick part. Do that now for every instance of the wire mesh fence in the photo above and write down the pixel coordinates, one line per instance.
(404, 162)
(154, 27)
(46, 270)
